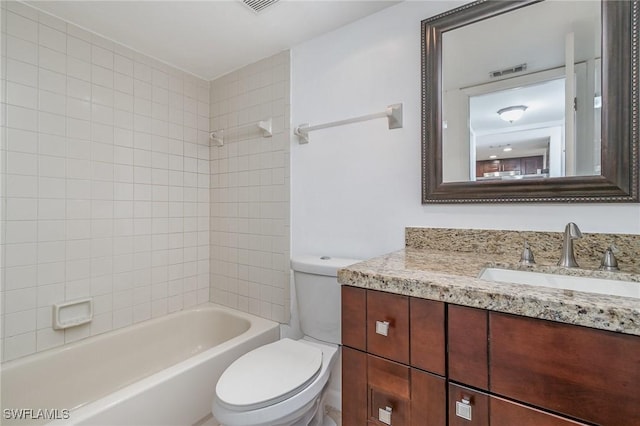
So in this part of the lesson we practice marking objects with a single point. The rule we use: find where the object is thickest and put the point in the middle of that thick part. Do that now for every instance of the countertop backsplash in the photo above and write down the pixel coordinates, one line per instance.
(546, 246)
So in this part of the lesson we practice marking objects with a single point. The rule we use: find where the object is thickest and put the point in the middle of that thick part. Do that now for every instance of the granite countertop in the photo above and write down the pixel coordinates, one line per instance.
(452, 277)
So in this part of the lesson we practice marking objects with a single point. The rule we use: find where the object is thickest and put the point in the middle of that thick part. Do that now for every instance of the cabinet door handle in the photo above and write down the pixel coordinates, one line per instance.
(382, 328)
(463, 408)
(384, 415)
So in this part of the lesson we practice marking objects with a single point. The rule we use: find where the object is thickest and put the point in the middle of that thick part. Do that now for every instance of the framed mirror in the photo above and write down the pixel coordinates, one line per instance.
(531, 101)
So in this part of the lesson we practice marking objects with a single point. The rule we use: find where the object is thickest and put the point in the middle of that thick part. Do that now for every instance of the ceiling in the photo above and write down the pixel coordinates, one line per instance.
(528, 136)
(210, 38)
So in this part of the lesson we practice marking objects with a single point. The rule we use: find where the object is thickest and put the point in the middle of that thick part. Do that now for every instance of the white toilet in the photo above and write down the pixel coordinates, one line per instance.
(281, 384)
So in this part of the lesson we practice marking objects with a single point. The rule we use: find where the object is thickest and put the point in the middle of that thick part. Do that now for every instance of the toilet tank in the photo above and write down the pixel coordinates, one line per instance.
(318, 294)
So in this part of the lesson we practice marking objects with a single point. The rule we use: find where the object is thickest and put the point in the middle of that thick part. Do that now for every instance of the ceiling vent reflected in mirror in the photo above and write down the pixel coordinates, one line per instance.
(259, 5)
(507, 71)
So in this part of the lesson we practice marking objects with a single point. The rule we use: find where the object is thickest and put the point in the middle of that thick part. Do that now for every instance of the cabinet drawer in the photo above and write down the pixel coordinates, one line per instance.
(388, 325)
(481, 409)
(505, 412)
(584, 373)
(468, 407)
(354, 317)
(388, 376)
(387, 409)
(389, 392)
(427, 335)
(467, 346)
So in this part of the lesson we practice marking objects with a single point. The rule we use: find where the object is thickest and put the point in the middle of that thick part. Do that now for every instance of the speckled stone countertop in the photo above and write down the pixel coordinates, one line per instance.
(451, 276)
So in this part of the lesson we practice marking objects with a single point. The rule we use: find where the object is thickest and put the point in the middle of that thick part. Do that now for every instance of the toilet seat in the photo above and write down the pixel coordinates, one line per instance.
(268, 375)
(288, 410)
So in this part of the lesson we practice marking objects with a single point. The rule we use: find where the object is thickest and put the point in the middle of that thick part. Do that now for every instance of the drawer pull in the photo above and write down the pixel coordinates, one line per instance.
(463, 408)
(382, 328)
(384, 415)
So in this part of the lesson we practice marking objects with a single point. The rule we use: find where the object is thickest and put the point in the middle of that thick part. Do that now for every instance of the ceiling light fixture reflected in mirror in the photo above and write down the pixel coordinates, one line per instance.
(512, 113)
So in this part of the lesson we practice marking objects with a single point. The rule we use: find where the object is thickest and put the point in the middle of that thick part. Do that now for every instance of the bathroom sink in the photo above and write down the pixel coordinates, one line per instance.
(587, 284)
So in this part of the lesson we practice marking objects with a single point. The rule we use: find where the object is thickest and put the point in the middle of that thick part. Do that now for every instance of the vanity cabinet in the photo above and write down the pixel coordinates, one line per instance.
(469, 407)
(582, 373)
(444, 364)
(523, 165)
(393, 359)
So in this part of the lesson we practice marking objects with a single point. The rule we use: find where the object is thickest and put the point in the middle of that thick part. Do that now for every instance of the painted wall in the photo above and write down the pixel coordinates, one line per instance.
(250, 189)
(355, 188)
(105, 171)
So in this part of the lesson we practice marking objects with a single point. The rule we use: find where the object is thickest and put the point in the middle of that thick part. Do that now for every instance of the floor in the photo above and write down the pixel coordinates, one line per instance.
(333, 413)
(207, 421)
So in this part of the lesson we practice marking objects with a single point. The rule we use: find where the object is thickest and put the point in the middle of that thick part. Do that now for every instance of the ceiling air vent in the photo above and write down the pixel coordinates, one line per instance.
(507, 71)
(259, 5)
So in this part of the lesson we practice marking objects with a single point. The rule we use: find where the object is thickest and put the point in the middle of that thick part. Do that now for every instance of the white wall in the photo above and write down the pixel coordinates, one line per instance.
(250, 190)
(355, 188)
(105, 182)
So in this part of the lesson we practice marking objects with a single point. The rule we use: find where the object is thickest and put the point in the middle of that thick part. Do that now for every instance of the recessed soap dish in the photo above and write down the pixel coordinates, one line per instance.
(72, 314)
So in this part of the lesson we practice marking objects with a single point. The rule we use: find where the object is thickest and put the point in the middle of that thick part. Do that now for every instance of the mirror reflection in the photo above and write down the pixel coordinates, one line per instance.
(521, 94)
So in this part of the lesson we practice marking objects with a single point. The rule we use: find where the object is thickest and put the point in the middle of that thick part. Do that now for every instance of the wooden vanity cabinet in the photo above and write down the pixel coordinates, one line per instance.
(354, 317)
(469, 407)
(467, 339)
(385, 379)
(579, 372)
(589, 374)
(354, 387)
(388, 326)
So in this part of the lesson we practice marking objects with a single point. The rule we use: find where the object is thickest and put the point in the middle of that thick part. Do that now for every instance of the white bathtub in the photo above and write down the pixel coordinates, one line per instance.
(159, 372)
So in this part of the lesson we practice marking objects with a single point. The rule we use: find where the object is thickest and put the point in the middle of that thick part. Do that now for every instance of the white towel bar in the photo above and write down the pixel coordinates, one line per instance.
(393, 113)
(266, 126)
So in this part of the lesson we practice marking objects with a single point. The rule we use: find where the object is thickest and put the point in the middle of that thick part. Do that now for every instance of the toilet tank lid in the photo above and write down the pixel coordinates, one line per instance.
(320, 265)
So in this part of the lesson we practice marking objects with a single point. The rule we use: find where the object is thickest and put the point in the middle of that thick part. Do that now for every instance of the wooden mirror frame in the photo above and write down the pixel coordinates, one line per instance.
(618, 182)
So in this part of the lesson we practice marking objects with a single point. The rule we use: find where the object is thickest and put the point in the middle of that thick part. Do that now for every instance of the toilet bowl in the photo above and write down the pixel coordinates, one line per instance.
(282, 383)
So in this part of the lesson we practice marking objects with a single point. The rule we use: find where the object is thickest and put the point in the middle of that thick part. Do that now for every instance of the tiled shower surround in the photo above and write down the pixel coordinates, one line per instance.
(250, 190)
(105, 172)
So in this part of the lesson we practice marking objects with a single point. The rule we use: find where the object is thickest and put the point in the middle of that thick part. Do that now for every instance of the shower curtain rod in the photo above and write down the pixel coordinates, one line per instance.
(266, 126)
(393, 113)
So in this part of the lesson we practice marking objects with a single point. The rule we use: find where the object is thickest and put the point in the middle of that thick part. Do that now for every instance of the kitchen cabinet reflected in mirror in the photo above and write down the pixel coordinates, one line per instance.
(521, 94)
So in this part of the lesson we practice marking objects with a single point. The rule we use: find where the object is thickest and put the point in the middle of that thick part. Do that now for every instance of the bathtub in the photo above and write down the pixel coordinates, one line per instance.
(159, 372)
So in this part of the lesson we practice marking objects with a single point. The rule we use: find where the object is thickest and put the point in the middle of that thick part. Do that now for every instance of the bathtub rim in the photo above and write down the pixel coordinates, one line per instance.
(257, 326)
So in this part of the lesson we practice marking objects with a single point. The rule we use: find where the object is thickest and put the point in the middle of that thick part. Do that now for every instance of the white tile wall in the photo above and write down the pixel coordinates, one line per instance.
(105, 182)
(250, 189)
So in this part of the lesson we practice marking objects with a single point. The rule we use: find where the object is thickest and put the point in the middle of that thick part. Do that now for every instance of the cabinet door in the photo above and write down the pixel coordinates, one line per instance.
(510, 164)
(492, 166)
(531, 165)
(354, 317)
(505, 412)
(427, 335)
(388, 325)
(354, 387)
(469, 407)
(467, 346)
(428, 399)
(587, 374)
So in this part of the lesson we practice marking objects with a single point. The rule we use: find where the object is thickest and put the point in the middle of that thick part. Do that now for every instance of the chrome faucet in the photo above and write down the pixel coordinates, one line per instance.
(568, 258)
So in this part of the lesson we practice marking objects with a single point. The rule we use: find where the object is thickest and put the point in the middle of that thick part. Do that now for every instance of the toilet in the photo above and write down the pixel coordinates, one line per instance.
(282, 383)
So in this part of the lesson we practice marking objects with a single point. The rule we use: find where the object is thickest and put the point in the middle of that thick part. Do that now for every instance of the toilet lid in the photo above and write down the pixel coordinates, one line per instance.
(269, 374)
